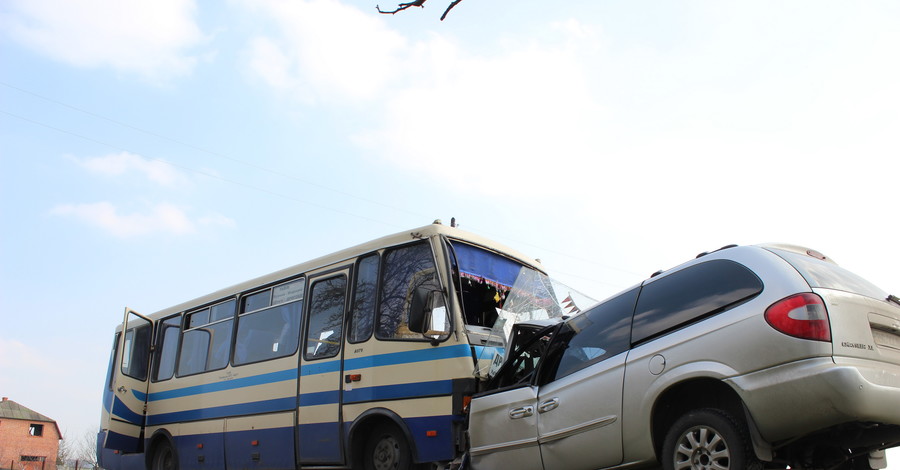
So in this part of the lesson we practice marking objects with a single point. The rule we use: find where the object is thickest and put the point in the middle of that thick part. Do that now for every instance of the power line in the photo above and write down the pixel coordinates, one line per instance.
(206, 151)
(193, 170)
(257, 167)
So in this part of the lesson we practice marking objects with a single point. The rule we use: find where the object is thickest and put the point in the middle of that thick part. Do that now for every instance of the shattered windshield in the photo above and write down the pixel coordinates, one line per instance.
(535, 299)
(497, 292)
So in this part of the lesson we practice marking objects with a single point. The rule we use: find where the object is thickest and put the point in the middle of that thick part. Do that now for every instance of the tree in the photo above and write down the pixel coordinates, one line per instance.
(86, 452)
(415, 3)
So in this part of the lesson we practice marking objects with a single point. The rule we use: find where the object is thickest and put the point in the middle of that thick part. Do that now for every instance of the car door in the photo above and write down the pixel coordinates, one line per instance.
(503, 430)
(579, 403)
(503, 421)
(567, 413)
(579, 417)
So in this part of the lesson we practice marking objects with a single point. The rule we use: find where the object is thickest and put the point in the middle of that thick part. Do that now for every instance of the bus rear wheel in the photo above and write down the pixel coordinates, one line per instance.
(163, 458)
(387, 449)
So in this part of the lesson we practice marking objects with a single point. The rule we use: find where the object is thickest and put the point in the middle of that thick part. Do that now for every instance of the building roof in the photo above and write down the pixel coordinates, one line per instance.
(12, 410)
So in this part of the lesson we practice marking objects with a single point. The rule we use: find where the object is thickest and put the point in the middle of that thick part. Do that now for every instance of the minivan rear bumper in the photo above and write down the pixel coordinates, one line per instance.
(802, 397)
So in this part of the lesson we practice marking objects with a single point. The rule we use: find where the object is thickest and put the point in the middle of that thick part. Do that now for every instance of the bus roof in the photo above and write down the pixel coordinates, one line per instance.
(427, 231)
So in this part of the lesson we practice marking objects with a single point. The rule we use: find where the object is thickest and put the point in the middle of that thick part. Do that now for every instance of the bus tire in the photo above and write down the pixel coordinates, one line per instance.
(387, 449)
(163, 457)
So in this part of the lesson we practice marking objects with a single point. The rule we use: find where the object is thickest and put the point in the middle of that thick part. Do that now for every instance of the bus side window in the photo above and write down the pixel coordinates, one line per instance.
(405, 270)
(136, 355)
(164, 366)
(326, 316)
(206, 342)
(362, 310)
(266, 332)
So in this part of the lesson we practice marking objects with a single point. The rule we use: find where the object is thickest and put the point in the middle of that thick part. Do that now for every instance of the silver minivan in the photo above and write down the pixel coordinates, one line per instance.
(756, 357)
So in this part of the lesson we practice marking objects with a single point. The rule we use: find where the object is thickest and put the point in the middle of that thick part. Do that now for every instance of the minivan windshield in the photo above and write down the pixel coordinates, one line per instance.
(820, 273)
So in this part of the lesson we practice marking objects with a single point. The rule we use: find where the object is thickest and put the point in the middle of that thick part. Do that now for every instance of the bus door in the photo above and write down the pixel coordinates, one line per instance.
(130, 376)
(319, 423)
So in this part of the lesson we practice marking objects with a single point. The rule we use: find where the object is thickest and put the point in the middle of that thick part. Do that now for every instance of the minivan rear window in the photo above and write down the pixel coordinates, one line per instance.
(819, 273)
(691, 294)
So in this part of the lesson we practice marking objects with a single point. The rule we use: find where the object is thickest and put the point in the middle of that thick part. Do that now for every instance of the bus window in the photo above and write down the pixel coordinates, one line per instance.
(111, 370)
(265, 332)
(484, 279)
(362, 312)
(136, 353)
(165, 351)
(406, 269)
(326, 315)
(206, 343)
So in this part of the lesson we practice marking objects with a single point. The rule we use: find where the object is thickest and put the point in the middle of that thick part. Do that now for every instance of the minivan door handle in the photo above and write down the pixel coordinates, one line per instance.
(523, 412)
(548, 405)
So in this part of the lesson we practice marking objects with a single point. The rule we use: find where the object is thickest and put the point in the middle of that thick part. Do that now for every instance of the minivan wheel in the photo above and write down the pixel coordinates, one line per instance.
(708, 439)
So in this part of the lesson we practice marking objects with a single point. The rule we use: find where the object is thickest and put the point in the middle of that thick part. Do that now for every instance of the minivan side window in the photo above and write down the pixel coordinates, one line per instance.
(692, 294)
(597, 334)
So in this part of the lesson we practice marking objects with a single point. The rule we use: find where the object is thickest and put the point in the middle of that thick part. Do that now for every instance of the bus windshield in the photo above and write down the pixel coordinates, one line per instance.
(497, 292)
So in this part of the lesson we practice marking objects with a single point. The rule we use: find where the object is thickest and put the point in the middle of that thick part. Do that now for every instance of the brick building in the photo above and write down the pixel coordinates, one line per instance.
(28, 439)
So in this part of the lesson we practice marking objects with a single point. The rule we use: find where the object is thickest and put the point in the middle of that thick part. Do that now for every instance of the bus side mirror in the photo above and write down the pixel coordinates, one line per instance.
(419, 311)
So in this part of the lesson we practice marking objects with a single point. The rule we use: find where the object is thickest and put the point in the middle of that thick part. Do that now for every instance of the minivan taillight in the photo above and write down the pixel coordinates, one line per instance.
(802, 316)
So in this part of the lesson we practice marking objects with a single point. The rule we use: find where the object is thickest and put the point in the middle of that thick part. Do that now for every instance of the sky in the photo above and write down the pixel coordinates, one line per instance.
(153, 152)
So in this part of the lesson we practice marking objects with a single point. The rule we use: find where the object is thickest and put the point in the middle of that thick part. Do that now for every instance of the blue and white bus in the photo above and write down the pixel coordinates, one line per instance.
(362, 359)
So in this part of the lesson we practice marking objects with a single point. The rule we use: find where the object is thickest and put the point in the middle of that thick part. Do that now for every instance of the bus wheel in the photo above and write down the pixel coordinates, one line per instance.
(163, 458)
(387, 449)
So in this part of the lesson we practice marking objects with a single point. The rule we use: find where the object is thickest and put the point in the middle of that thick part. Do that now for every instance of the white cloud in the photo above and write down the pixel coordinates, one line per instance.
(18, 356)
(160, 218)
(325, 50)
(436, 102)
(526, 115)
(217, 220)
(119, 164)
(151, 39)
(727, 112)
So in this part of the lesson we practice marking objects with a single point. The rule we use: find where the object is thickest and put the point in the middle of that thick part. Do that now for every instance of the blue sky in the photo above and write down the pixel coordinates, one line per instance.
(152, 152)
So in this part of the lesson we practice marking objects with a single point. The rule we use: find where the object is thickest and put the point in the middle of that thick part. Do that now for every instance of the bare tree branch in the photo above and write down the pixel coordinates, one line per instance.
(401, 7)
(416, 3)
(455, 2)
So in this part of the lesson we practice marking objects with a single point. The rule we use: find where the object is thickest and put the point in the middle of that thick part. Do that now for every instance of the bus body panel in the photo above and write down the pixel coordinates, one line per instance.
(300, 409)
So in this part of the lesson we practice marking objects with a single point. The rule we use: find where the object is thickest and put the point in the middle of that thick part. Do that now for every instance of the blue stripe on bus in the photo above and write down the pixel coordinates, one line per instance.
(262, 379)
(389, 359)
(399, 391)
(383, 392)
(240, 409)
(407, 357)
(320, 398)
(315, 368)
(122, 411)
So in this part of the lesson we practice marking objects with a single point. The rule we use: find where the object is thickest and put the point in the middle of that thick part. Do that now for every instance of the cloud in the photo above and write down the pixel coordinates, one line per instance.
(17, 356)
(119, 164)
(498, 119)
(160, 218)
(428, 101)
(151, 39)
(325, 50)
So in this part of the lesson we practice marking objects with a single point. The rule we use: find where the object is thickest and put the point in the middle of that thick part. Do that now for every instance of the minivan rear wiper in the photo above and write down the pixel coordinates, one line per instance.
(894, 299)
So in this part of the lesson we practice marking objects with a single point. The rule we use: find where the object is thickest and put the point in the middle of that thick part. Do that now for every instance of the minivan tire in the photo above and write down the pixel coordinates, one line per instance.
(708, 439)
